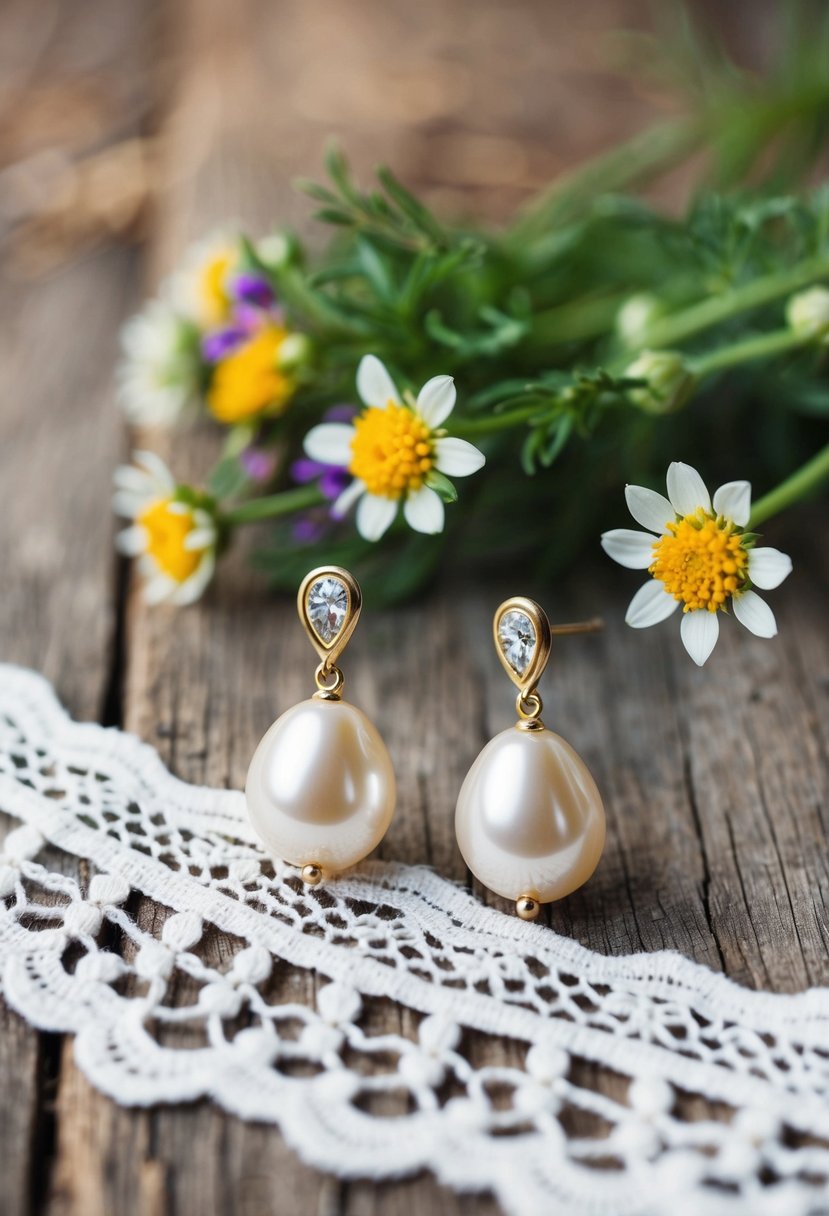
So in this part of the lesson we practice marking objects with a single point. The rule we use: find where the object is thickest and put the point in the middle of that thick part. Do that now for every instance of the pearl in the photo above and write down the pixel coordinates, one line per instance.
(320, 787)
(529, 820)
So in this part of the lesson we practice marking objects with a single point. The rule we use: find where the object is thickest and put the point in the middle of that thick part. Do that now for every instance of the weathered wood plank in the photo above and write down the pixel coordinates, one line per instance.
(69, 81)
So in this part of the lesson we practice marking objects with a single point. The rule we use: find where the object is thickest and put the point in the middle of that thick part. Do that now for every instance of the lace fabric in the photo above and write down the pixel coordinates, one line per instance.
(639, 1084)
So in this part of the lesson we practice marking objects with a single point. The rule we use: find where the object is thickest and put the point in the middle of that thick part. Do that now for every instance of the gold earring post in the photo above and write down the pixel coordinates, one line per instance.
(594, 625)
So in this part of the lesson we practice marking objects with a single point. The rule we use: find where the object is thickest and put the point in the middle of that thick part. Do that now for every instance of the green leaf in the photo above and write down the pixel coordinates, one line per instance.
(331, 215)
(375, 269)
(556, 441)
(442, 485)
(314, 190)
(411, 207)
(436, 329)
(228, 478)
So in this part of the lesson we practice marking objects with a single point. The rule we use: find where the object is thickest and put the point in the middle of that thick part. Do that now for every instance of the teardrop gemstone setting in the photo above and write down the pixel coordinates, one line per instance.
(327, 608)
(517, 639)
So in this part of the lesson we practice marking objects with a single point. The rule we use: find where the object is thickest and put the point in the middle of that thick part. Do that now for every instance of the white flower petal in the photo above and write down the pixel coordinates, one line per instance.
(686, 489)
(159, 588)
(768, 567)
(650, 605)
(134, 481)
(199, 538)
(629, 548)
(330, 443)
(733, 500)
(130, 505)
(131, 541)
(193, 587)
(457, 458)
(375, 516)
(436, 400)
(374, 384)
(157, 469)
(649, 509)
(755, 614)
(342, 505)
(699, 631)
(179, 508)
(424, 511)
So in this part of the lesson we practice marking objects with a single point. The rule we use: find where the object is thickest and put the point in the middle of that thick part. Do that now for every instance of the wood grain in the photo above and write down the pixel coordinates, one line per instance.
(715, 782)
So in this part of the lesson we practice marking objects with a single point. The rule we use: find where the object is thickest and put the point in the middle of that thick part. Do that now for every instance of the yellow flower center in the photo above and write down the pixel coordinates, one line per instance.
(249, 381)
(701, 560)
(166, 533)
(392, 450)
(213, 288)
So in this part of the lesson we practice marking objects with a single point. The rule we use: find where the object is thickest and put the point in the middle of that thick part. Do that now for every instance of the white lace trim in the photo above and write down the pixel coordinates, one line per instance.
(156, 1022)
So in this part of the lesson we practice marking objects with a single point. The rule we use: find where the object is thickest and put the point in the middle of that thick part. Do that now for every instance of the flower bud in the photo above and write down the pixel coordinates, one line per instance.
(635, 317)
(807, 313)
(276, 250)
(669, 383)
(293, 352)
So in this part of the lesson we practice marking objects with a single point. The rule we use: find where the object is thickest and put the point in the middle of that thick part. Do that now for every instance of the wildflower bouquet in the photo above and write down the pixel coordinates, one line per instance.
(587, 344)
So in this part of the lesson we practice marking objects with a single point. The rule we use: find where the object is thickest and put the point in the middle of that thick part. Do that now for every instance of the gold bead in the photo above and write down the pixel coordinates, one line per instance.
(527, 907)
(312, 874)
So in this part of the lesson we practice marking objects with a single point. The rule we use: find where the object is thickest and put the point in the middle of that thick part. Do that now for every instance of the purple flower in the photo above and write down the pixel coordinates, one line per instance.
(258, 463)
(333, 478)
(304, 470)
(308, 529)
(253, 289)
(340, 413)
(222, 342)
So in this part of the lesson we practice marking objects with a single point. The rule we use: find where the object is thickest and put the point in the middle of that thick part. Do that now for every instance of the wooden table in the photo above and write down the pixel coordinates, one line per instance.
(715, 781)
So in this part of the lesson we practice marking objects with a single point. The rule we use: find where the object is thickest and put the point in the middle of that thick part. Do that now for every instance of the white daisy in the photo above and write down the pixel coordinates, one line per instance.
(700, 556)
(173, 538)
(200, 288)
(394, 449)
(158, 375)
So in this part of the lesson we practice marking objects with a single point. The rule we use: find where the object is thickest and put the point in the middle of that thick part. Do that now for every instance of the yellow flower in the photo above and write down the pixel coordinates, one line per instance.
(173, 539)
(699, 555)
(200, 289)
(251, 380)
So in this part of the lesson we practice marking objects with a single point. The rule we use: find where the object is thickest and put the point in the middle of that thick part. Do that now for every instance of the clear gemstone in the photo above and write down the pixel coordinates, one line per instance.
(516, 634)
(327, 606)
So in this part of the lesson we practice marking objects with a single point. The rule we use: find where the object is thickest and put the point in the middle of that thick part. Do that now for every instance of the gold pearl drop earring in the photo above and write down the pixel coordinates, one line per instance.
(320, 788)
(529, 821)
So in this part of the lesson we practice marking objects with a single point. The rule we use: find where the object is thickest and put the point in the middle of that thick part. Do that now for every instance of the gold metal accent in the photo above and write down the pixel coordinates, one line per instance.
(329, 681)
(527, 907)
(312, 874)
(329, 652)
(594, 625)
(528, 703)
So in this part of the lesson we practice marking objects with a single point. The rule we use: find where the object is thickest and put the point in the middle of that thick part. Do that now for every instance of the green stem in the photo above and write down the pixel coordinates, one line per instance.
(465, 428)
(576, 321)
(802, 483)
(640, 158)
(749, 350)
(273, 506)
(313, 305)
(669, 331)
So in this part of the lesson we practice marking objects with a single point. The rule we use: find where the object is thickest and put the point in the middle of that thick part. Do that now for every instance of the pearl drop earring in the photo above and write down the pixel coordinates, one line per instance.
(320, 788)
(529, 821)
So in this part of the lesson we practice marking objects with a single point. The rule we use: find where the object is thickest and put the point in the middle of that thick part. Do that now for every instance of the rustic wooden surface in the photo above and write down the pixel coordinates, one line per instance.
(715, 783)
